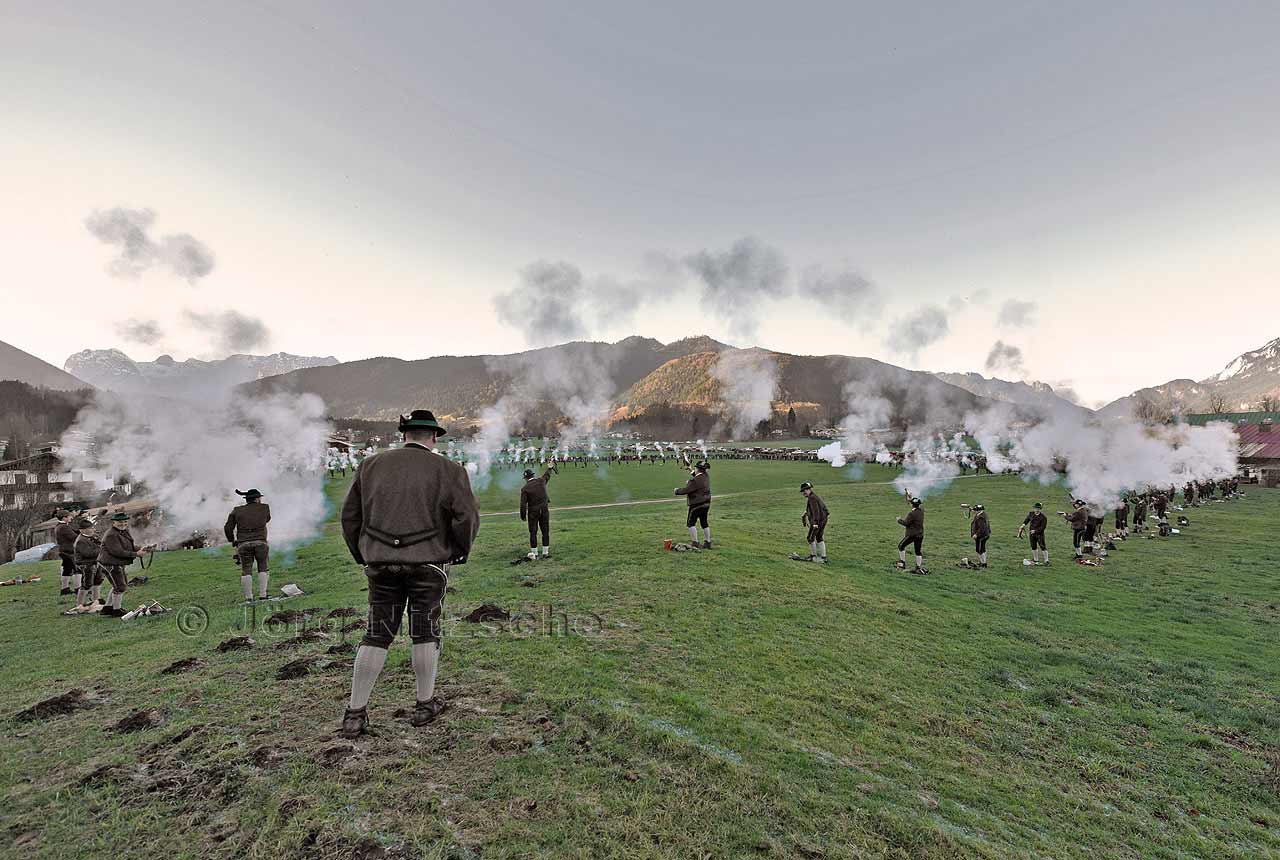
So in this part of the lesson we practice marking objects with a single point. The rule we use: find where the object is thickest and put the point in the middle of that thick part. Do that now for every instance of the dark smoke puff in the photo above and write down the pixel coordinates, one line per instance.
(737, 280)
(920, 329)
(546, 303)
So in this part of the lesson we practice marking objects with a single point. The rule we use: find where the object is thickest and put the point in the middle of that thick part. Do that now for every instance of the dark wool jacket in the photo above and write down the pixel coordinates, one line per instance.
(914, 523)
(698, 490)
(815, 510)
(1036, 521)
(87, 548)
(981, 526)
(533, 495)
(1079, 519)
(248, 522)
(117, 548)
(409, 506)
(65, 534)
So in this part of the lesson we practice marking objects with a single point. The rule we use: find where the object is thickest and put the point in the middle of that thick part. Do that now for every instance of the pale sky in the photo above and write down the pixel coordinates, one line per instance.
(368, 177)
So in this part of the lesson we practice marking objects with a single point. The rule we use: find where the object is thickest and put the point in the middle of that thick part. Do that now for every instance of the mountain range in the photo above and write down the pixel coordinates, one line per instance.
(644, 381)
(1241, 386)
(112, 370)
(648, 383)
(15, 364)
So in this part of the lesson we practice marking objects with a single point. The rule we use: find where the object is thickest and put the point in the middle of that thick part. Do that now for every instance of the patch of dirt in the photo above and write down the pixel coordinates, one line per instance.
(336, 754)
(347, 612)
(306, 637)
(295, 669)
(353, 626)
(148, 718)
(342, 648)
(187, 664)
(266, 757)
(236, 643)
(66, 703)
(487, 612)
(302, 667)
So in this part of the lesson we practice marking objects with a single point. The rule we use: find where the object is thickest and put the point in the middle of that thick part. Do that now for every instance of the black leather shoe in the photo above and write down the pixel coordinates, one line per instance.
(355, 722)
(425, 712)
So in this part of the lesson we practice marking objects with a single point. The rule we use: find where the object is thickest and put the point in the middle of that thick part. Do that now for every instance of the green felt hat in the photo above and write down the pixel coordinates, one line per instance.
(421, 419)
(120, 517)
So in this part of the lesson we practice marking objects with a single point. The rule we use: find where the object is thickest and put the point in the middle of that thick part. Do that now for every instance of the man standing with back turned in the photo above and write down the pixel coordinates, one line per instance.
(409, 514)
(246, 529)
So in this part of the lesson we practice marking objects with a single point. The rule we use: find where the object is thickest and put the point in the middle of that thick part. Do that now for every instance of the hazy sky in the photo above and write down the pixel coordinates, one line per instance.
(368, 178)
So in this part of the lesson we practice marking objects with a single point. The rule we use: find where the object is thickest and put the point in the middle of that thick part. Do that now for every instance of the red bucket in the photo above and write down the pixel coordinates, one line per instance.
(666, 544)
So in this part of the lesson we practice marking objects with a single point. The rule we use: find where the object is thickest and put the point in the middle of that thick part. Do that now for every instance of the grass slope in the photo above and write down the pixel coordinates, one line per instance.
(723, 704)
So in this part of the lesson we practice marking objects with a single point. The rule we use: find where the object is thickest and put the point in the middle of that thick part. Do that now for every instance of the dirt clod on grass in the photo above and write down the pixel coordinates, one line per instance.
(336, 754)
(266, 757)
(346, 612)
(295, 669)
(235, 643)
(487, 612)
(304, 665)
(342, 648)
(306, 637)
(353, 626)
(66, 703)
(187, 664)
(291, 616)
(147, 718)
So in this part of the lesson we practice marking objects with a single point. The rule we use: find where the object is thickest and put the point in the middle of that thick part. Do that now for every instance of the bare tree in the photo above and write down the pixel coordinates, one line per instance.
(1268, 403)
(1217, 403)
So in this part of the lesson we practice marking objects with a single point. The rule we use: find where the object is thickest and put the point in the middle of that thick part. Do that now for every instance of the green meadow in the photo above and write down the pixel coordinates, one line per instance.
(646, 704)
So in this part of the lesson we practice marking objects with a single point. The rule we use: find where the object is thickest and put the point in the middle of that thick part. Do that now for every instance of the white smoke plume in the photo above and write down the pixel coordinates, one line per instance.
(931, 466)
(575, 383)
(129, 231)
(869, 410)
(915, 331)
(192, 456)
(748, 386)
(832, 453)
(1101, 461)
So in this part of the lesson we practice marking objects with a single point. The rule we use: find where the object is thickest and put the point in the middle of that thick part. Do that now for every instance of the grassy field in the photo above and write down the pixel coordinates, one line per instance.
(721, 704)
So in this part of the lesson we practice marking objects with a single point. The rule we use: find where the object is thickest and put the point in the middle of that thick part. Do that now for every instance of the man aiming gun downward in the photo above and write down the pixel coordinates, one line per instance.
(815, 518)
(698, 492)
(1036, 522)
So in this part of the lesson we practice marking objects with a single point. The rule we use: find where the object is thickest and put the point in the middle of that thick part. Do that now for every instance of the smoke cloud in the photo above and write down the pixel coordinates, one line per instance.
(574, 383)
(748, 386)
(1004, 357)
(1016, 314)
(147, 332)
(737, 280)
(231, 331)
(129, 230)
(852, 297)
(546, 303)
(192, 456)
(914, 332)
